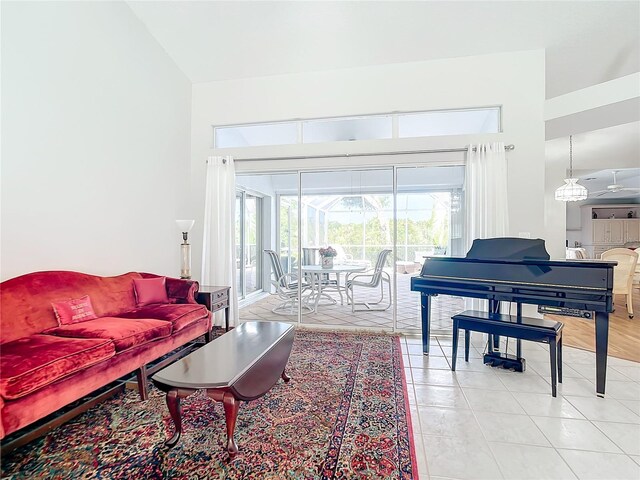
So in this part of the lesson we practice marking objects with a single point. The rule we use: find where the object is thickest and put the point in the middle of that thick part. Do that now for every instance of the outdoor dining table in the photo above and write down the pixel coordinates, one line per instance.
(315, 273)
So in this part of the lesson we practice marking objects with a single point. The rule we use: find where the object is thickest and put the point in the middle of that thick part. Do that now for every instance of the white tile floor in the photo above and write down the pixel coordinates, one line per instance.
(480, 422)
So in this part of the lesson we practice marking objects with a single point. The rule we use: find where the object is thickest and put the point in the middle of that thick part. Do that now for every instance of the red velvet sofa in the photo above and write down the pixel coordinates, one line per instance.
(45, 366)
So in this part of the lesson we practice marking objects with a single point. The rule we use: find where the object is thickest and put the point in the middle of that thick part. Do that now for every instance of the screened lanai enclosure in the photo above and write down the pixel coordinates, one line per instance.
(381, 223)
(361, 225)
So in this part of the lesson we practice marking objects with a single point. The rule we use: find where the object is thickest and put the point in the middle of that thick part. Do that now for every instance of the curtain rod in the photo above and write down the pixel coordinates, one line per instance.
(374, 154)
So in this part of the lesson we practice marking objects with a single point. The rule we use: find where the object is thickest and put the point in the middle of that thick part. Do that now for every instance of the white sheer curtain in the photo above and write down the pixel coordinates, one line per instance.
(219, 240)
(485, 192)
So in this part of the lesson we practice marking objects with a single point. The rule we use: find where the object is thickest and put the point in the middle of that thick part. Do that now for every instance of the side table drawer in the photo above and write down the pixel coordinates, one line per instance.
(219, 305)
(219, 296)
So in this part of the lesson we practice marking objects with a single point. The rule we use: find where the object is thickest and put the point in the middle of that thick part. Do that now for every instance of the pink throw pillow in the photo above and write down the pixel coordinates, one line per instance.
(150, 290)
(74, 311)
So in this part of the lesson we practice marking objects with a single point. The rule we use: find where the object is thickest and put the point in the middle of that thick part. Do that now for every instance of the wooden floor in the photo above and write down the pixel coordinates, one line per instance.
(624, 333)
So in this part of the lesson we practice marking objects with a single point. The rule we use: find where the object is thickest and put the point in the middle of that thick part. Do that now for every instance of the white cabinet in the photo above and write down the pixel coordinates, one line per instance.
(600, 231)
(632, 230)
(616, 231)
(603, 232)
(609, 231)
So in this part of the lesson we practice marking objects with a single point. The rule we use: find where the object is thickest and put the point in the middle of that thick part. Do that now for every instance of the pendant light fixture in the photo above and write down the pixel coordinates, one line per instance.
(571, 191)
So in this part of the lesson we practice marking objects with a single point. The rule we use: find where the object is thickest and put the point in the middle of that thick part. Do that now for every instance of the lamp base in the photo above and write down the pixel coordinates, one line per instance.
(185, 261)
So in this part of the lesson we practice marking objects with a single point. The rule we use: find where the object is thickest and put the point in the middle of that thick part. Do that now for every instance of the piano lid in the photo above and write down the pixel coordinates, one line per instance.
(508, 248)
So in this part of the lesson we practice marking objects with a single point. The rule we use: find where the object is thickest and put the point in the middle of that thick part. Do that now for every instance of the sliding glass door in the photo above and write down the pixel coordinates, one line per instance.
(248, 243)
(288, 231)
(429, 222)
(380, 222)
(350, 211)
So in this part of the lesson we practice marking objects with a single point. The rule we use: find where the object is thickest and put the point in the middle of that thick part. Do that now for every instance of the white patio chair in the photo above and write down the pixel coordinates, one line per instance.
(342, 257)
(286, 285)
(374, 278)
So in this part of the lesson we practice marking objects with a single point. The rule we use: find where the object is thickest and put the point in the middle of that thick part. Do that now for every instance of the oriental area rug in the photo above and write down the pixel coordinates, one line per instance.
(344, 414)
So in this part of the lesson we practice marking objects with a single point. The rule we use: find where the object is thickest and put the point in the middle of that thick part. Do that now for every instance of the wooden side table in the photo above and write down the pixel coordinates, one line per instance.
(215, 299)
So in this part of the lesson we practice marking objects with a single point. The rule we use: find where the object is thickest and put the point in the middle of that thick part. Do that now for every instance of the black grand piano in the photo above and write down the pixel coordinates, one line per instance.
(519, 270)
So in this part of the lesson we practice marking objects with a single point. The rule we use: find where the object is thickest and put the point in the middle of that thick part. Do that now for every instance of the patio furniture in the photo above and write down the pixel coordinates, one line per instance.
(343, 257)
(286, 285)
(375, 278)
(320, 286)
(310, 257)
(419, 256)
(623, 273)
(404, 267)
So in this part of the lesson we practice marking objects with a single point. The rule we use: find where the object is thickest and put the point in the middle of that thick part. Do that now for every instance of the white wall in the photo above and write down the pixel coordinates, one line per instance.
(95, 141)
(513, 80)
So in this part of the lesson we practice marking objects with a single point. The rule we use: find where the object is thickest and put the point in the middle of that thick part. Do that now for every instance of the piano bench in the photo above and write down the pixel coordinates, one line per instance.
(523, 328)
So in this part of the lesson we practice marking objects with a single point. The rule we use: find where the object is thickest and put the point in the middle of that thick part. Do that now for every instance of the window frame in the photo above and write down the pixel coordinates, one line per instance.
(394, 126)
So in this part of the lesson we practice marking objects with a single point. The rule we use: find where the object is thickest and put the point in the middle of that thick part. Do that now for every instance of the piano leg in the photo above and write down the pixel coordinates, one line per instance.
(553, 354)
(454, 345)
(494, 307)
(560, 359)
(602, 343)
(467, 344)
(425, 311)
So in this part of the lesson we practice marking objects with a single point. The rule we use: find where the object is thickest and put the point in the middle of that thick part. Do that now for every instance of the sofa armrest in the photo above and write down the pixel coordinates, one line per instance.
(179, 290)
(182, 290)
(2, 435)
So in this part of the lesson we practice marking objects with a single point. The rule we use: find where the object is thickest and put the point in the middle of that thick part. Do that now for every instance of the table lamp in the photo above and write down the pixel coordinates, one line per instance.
(185, 249)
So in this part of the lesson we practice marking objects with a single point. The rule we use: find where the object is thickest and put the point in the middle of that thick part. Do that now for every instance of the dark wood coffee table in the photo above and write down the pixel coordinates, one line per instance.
(242, 364)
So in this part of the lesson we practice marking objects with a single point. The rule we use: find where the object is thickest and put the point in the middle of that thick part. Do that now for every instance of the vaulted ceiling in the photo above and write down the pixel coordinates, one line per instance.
(586, 42)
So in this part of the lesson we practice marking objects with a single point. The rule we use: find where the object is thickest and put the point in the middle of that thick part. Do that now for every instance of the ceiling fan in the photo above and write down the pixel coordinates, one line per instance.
(615, 187)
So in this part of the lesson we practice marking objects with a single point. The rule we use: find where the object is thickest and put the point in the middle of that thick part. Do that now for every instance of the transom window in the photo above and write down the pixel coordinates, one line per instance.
(369, 127)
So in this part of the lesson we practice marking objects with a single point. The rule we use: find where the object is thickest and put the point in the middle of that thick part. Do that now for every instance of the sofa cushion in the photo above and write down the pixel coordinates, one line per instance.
(150, 290)
(125, 333)
(179, 290)
(25, 301)
(73, 311)
(180, 315)
(30, 363)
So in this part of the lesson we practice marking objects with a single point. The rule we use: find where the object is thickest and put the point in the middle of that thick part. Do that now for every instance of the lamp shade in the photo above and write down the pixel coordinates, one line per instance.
(185, 225)
(571, 191)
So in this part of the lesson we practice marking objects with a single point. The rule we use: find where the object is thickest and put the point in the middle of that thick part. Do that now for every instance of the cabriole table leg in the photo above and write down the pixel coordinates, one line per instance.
(173, 402)
(231, 406)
